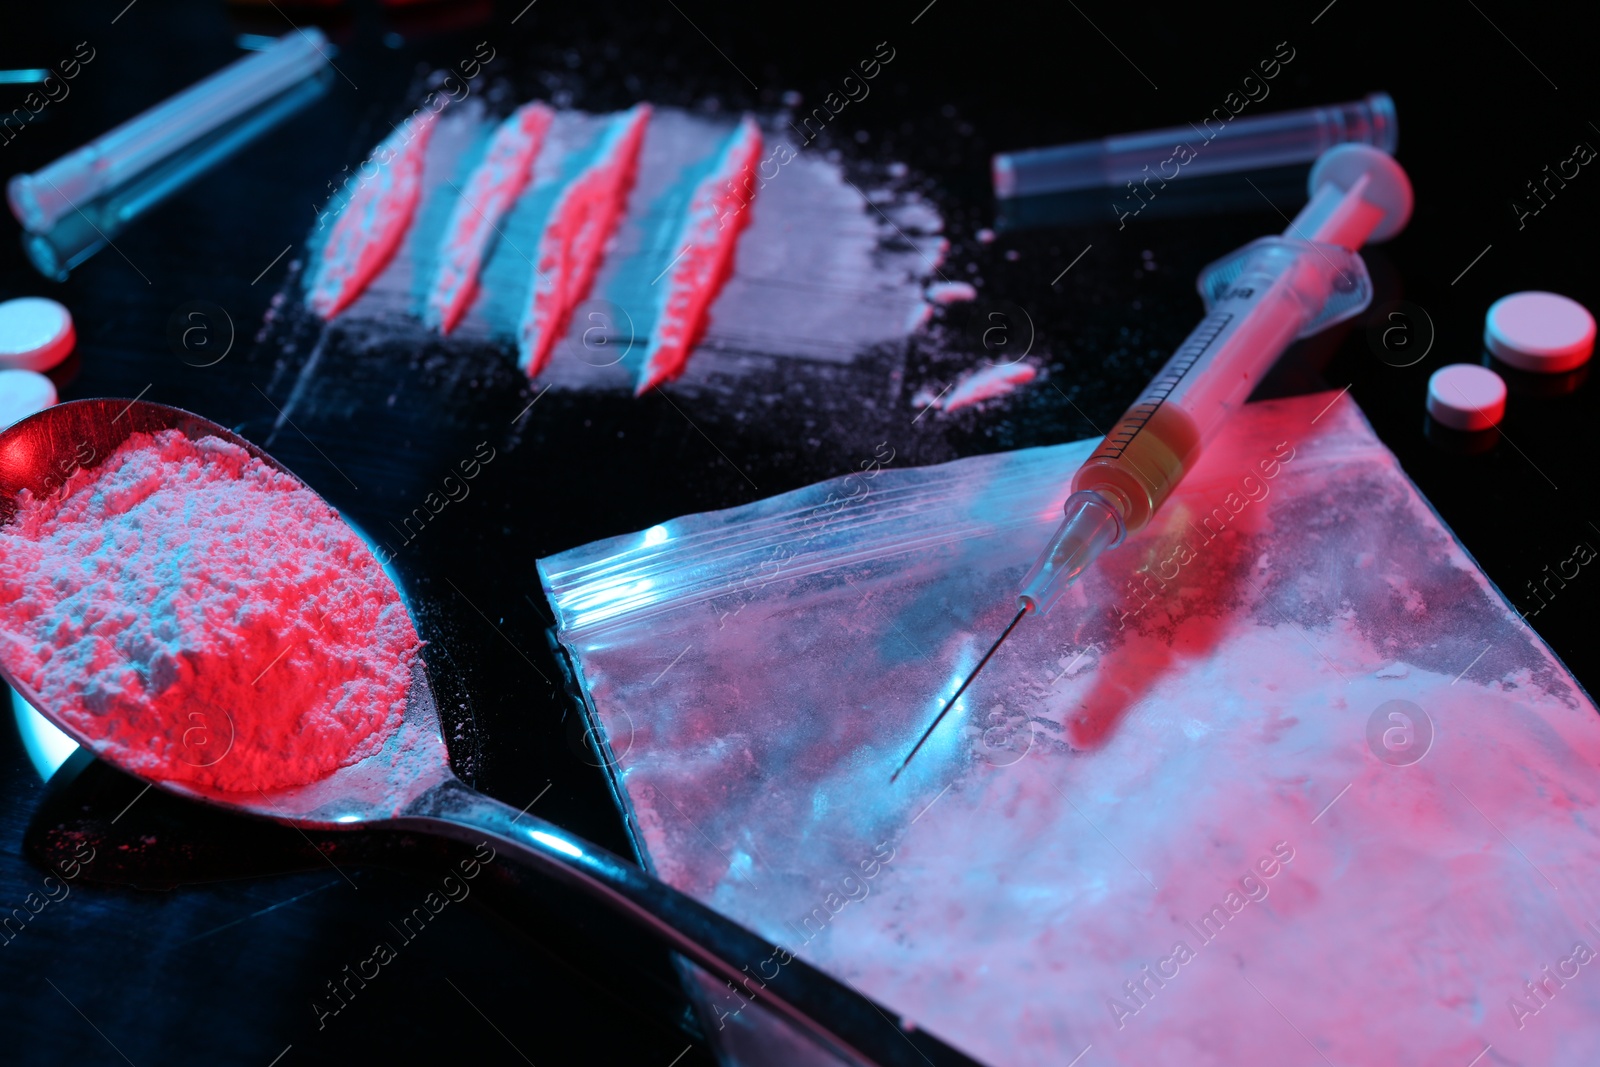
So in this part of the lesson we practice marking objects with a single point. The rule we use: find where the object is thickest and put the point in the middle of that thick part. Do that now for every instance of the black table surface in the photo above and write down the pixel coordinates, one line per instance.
(198, 937)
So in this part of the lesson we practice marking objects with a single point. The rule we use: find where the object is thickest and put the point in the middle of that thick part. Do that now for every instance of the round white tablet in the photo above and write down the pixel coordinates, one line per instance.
(1536, 331)
(1465, 396)
(22, 393)
(35, 333)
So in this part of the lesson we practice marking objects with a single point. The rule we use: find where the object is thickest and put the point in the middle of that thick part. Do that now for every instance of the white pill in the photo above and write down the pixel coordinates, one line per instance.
(1536, 331)
(35, 333)
(1465, 396)
(23, 393)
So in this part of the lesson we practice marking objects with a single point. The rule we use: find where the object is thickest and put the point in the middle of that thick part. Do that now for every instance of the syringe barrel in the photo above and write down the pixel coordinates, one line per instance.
(1276, 290)
(1211, 147)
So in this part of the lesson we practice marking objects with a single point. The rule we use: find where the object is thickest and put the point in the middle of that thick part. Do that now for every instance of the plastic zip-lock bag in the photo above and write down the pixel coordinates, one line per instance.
(1285, 768)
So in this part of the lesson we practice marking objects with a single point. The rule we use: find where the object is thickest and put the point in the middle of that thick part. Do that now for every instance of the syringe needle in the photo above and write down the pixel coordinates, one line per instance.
(1090, 526)
(952, 701)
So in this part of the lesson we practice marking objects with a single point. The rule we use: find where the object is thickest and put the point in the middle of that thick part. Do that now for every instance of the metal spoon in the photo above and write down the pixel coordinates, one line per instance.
(422, 794)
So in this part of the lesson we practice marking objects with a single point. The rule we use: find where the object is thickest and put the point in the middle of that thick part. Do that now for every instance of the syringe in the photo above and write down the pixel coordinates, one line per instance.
(1258, 300)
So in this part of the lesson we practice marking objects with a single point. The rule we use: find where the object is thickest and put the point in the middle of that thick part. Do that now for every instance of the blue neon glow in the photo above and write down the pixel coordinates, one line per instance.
(378, 554)
(47, 746)
(606, 599)
(564, 847)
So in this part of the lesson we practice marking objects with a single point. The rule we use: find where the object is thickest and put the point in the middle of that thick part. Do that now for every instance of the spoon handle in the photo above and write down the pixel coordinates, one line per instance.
(843, 1020)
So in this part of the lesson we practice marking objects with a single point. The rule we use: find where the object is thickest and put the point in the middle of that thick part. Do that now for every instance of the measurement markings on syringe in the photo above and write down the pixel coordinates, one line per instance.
(1181, 363)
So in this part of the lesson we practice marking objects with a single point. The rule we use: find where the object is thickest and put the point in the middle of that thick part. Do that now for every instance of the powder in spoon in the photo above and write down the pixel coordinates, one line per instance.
(203, 617)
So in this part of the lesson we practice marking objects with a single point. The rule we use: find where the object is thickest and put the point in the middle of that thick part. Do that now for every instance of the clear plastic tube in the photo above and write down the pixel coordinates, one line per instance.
(40, 199)
(93, 224)
(1247, 143)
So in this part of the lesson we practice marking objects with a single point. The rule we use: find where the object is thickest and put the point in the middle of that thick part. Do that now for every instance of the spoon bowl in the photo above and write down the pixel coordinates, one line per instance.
(40, 452)
(407, 784)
